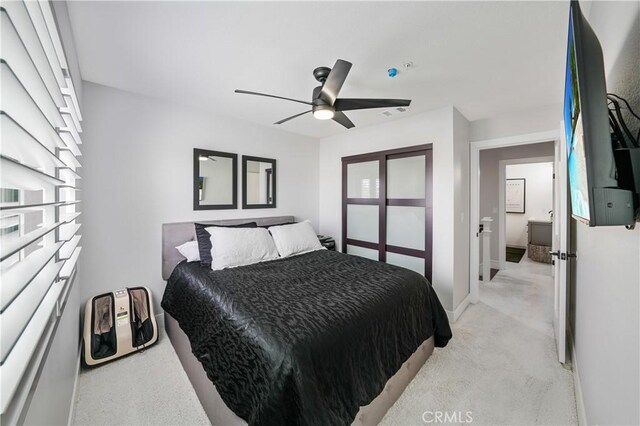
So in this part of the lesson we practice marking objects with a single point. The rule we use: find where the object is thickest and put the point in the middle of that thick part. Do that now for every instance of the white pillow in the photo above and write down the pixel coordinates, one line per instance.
(240, 246)
(295, 239)
(190, 251)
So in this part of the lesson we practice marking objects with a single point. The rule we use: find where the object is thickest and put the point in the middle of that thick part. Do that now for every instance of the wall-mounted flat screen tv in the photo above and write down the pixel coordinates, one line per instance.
(595, 196)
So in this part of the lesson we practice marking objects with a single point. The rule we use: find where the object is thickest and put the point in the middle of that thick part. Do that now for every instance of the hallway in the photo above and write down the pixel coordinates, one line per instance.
(523, 291)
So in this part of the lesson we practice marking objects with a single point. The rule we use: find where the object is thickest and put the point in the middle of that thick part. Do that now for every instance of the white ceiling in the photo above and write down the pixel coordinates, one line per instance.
(485, 58)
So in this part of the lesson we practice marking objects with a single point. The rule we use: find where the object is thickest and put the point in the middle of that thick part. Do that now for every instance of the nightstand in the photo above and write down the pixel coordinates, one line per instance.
(327, 242)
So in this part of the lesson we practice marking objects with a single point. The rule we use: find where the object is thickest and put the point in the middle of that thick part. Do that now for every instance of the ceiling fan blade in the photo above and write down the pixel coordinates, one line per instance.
(245, 92)
(334, 82)
(291, 118)
(340, 117)
(352, 104)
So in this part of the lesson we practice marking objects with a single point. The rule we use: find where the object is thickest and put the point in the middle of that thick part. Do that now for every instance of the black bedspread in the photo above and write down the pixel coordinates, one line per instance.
(307, 339)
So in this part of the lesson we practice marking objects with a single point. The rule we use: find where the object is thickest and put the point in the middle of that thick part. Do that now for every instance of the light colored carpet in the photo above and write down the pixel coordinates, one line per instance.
(501, 366)
(148, 388)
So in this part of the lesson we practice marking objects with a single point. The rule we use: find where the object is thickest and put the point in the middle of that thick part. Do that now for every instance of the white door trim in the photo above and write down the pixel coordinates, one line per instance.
(502, 213)
(474, 192)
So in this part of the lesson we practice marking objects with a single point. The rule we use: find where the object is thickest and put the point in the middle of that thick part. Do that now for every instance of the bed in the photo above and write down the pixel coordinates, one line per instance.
(317, 338)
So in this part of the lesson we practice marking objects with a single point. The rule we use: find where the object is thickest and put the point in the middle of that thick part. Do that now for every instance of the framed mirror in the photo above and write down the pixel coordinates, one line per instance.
(215, 180)
(258, 183)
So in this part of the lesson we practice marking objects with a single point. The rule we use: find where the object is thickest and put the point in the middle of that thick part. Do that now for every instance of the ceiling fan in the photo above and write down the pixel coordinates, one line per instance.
(325, 103)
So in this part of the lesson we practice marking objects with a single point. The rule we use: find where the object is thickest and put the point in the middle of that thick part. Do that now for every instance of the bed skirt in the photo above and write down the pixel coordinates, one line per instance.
(220, 414)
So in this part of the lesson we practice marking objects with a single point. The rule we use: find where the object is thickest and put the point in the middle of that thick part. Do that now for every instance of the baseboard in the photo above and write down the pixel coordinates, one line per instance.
(577, 384)
(75, 385)
(160, 321)
(454, 315)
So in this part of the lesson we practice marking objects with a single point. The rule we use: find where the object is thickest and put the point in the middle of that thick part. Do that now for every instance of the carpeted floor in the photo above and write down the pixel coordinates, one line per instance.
(147, 388)
(501, 366)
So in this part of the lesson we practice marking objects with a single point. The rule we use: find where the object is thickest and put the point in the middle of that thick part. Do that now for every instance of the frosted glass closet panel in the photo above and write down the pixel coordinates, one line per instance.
(362, 252)
(406, 227)
(362, 222)
(363, 180)
(409, 262)
(406, 177)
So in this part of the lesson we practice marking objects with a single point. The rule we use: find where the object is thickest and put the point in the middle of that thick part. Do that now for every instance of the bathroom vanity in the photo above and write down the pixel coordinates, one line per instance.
(540, 237)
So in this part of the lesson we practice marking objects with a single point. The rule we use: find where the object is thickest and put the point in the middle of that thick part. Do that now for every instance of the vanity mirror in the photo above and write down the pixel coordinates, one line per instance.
(258, 182)
(215, 180)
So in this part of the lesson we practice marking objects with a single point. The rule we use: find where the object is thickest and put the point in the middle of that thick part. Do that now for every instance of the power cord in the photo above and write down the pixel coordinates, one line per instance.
(621, 124)
(620, 128)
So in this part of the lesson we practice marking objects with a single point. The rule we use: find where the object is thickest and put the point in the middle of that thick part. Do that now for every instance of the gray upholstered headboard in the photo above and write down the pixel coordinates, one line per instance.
(175, 234)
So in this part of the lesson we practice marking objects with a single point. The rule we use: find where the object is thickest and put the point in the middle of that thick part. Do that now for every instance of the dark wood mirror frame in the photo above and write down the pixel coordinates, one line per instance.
(196, 180)
(272, 175)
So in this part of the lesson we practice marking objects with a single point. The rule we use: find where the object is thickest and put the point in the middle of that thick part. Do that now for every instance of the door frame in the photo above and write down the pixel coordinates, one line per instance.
(502, 214)
(474, 194)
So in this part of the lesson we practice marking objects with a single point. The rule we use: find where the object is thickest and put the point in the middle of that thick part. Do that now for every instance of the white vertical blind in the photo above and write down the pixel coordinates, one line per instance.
(39, 206)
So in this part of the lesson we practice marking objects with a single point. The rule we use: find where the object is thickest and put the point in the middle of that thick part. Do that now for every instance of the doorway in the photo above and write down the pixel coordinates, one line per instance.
(554, 277)
(525, 205)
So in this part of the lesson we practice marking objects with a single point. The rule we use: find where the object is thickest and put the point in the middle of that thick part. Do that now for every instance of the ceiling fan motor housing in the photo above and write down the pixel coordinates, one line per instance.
(321, 73)
(316, 99)
(320, 105)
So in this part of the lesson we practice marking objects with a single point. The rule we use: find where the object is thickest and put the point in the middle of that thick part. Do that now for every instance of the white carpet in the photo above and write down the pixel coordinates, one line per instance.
(148, 388)
(501, 366)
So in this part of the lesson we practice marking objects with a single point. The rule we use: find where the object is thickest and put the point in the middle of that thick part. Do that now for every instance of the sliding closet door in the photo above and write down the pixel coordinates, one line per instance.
(361, 210)
(408, 213)
(387, 207)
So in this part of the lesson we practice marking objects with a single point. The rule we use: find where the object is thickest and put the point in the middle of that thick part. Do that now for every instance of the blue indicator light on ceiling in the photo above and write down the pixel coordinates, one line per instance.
(392, 72)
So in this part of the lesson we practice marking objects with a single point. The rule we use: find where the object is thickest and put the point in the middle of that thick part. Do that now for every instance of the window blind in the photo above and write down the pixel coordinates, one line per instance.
(39, 191)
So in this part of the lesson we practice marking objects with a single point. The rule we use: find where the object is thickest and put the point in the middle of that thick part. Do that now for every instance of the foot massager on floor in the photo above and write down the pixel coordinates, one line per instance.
(117, 324)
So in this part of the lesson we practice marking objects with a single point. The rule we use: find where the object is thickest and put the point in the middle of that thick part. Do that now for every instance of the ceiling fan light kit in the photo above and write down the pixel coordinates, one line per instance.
(323, 112)
(325, 104)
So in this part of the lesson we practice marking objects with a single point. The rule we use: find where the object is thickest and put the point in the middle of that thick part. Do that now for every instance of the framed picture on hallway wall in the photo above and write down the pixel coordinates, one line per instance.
(515, 195)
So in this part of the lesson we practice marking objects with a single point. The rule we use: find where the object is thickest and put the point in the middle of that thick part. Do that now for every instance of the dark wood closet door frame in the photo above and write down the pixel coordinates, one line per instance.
(382, 202)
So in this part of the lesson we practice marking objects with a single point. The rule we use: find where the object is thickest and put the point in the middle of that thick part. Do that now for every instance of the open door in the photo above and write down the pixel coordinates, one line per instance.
(560, 247)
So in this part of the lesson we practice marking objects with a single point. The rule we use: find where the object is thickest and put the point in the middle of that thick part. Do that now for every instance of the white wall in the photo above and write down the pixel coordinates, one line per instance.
(538, 199)
(517, 123)
(447, 130)
(490, 184)
(460, 219)
(137, 174)
(605, 299)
